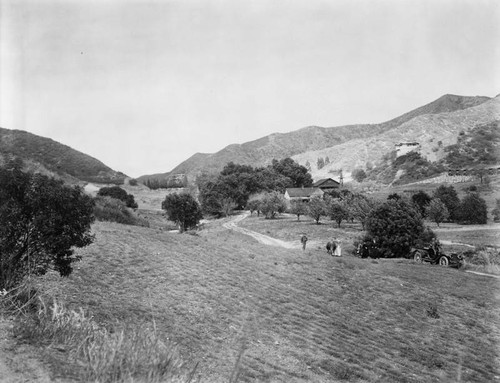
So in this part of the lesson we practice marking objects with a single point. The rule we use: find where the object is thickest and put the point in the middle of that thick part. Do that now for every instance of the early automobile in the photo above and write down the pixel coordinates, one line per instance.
(435, 256)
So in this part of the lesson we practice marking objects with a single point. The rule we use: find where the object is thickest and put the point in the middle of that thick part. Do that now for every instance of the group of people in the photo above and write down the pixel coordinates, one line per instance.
(332, 247)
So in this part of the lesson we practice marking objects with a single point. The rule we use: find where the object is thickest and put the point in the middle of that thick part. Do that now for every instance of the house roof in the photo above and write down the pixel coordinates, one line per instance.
(325, 180)
(302, 192)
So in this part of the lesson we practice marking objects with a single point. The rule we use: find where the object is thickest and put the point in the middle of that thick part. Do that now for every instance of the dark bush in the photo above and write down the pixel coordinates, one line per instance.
(118, 193)
(182, 209)
(472, 210)
(395, 226)
(41, 221)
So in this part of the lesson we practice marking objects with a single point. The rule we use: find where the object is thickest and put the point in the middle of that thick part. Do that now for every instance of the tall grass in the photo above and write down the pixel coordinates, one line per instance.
(486, 259)
(97, 354)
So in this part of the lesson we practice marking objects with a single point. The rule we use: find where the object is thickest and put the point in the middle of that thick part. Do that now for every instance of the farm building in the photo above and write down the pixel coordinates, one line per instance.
(302, 194)
(327, 184)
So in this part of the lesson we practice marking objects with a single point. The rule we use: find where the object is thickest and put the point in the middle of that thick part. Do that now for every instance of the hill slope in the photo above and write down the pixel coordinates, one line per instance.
(434, 132)
(280, 145)
(50, 157)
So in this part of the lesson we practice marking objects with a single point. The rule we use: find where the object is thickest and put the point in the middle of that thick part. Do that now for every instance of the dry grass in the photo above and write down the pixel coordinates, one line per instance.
(284, 315)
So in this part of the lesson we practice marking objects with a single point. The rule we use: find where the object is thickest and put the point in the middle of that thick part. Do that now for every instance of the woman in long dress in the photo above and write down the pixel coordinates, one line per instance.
(338, 250)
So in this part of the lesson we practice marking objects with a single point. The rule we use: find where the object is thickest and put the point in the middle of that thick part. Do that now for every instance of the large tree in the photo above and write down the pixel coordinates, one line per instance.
(41, 221)
(472, 209)
(182, 209)
(317, 208)
(395, 226)
(448, 195)
(291, 169)
(271, 204)
(421, 199)
(436, 211)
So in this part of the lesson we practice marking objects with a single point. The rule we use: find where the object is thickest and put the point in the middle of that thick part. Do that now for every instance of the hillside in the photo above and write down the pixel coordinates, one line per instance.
(313, 138)
(47, 156)
(434, 132)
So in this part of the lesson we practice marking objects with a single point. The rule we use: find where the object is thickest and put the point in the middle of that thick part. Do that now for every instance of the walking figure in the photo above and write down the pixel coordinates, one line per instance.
(303, 240)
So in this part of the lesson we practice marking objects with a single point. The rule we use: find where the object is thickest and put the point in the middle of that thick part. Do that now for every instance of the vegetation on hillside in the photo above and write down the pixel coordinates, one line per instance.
(476, 148)
(118, 193)
(182, 209)
(58, 158)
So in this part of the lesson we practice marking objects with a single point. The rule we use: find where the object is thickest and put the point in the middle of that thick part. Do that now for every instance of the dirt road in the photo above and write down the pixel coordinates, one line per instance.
(265, 239)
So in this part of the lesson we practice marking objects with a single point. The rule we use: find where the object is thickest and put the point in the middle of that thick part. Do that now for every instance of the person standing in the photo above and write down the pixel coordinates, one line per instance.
(338, 250)
(303, 240)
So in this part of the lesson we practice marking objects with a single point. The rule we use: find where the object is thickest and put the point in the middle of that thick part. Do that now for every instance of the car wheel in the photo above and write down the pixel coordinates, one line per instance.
(443, 261)
(417, 257)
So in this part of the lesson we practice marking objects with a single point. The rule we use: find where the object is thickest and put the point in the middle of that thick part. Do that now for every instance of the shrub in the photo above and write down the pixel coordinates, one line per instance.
(358, 174)
(421, 199)
(182, 209)
(132, 182)
(496, 211)
(118, 193)
(395, 226)
(472, 209)
(114, 210)
(41, 221)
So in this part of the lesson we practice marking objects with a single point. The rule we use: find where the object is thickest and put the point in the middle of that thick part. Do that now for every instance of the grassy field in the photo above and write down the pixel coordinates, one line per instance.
(293, 316)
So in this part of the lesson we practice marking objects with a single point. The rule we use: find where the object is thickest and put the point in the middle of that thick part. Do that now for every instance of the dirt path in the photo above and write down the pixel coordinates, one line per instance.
(265, 239)
(18, 363)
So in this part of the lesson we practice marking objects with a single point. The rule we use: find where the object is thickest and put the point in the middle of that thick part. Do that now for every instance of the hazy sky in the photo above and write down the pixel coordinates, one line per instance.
(143, 85)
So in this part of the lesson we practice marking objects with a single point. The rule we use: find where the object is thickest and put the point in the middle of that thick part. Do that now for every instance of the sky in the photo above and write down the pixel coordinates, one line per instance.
(143, 85)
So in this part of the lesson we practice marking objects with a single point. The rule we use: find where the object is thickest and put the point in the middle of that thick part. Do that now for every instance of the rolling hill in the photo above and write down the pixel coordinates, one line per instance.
(49, 157)
(350, 146)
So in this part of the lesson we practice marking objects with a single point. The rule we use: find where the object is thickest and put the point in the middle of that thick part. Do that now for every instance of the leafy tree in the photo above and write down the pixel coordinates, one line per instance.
(182, 209)
(132, 182)
(338, 211)
(327, 160)
(436, 211)
(448, 195)
(297, 173)
(395, 226)
(360, 207)
(317, 208)
(496, 211)
(272, 204)
(473, 209)
(358, 175)
(118, 193)
(41, 220)
(298, 208)
(308, 166)
(421, 199)
(253, 205)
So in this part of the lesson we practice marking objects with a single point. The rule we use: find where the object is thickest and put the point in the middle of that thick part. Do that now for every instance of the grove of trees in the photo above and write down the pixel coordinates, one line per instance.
(220, 193)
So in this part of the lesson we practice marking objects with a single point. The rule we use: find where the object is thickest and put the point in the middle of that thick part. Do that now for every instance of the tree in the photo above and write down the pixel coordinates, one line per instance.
(297, 173)
(395, 226)
(358, 175)
(182, 209)
(436, 211)
(473, 209)
(496, 211)
(298, 208)
(448, 195)
(320, 163)
(360, 207)
(338, 211)
(317, 208)
(253, 205)
(394, 196)
(41, 221)
(118, 193)
(421, 199)
(271, 204)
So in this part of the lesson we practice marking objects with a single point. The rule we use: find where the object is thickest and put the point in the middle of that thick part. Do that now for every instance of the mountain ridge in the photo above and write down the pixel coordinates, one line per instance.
(261, 151)
(45, 155)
